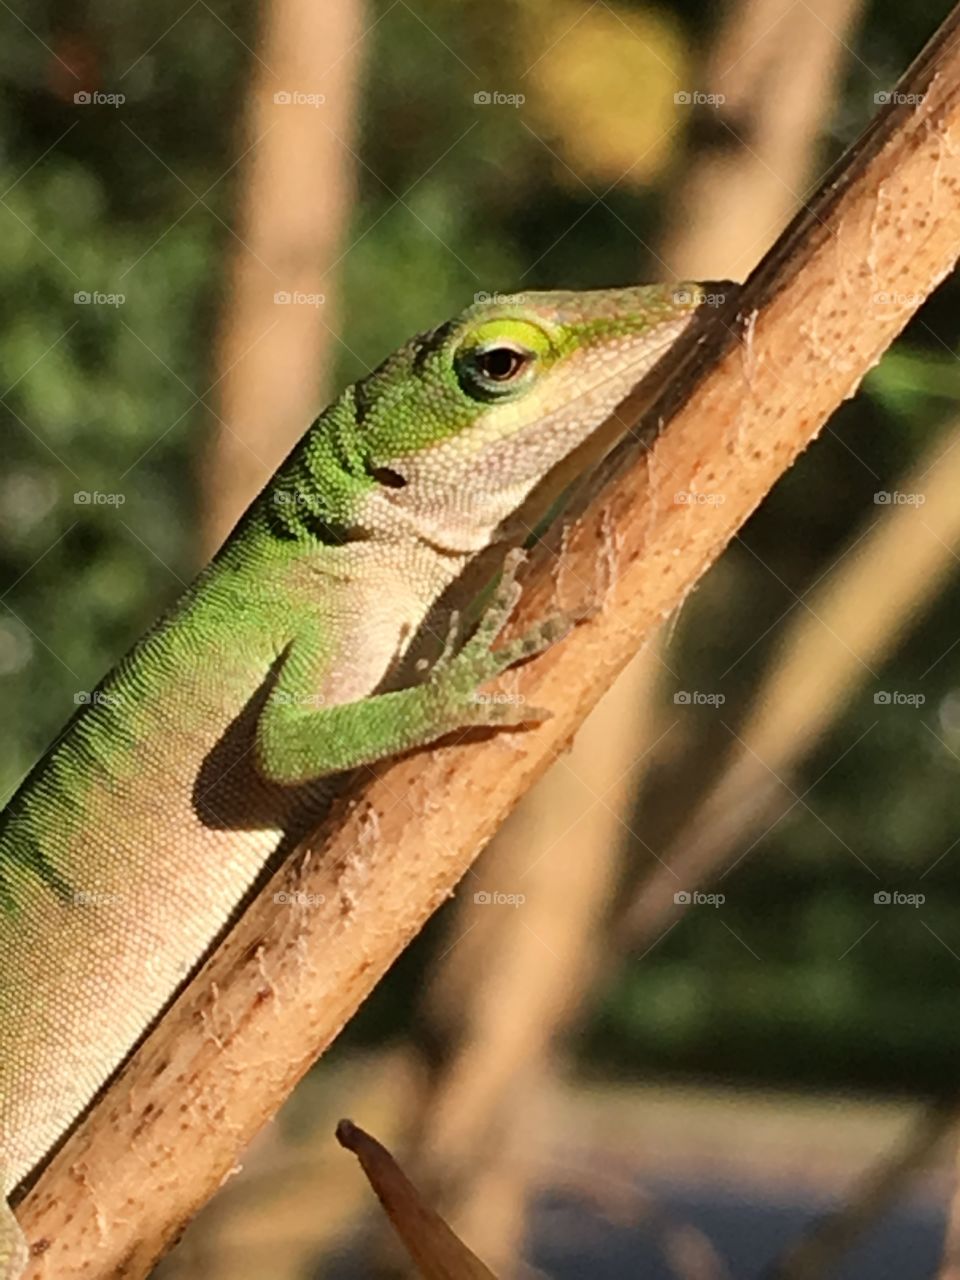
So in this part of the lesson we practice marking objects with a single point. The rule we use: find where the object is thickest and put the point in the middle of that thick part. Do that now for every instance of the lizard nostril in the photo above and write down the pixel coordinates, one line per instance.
(388, 478)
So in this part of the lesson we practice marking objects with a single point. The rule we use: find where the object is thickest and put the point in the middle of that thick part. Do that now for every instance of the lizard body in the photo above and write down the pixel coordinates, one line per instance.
(212, 746)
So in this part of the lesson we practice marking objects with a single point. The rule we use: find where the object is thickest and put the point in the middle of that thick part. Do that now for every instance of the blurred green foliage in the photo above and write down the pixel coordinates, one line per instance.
(802, 977)
(100, 401)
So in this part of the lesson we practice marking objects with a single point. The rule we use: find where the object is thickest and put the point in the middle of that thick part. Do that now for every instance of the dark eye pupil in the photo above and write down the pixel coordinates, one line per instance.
(500, 363)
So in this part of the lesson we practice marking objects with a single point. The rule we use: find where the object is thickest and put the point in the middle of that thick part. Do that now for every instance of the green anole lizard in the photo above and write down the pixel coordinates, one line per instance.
(210, 748)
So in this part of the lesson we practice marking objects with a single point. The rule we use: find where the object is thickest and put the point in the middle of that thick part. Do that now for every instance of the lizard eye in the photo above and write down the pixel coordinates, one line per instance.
(500, 364)
(490, 371)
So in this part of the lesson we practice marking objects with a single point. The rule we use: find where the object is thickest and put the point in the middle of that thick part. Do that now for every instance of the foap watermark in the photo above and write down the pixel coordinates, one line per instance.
(94, 98)
(697, 698)
(94, 498)
(97, 698)
(887, 297)
(897, 698)
(499, 698)
(698, 297)
(298, 98)
(298, 298)
(687, 498)
(894, 498)
(94, 298)
(494, 898)
(94, 898)
(282, 698)
(884, 96)
(299, 898)
(519, 299)
(696, 98)
(694, 898)
(894, 898)
(497, 98)
(295, 498)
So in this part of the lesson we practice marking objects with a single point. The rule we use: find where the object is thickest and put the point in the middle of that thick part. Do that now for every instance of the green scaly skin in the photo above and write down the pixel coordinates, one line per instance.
(211, 747)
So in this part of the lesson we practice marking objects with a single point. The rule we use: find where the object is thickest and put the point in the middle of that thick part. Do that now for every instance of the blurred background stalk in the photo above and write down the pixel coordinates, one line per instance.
(281, 318)
(837, 637)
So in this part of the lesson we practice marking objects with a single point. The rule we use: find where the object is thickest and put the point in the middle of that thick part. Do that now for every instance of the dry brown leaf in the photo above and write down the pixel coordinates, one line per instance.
(437, 1252)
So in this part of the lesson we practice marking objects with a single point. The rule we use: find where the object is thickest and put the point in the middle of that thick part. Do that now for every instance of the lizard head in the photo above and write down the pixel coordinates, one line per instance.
(459, 426)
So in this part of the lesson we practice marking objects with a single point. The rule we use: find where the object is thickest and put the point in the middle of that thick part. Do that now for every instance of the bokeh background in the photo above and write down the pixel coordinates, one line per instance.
(702, 990)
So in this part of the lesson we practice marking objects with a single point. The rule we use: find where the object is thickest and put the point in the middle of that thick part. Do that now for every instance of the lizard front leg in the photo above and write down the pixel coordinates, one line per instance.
(298, 741)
